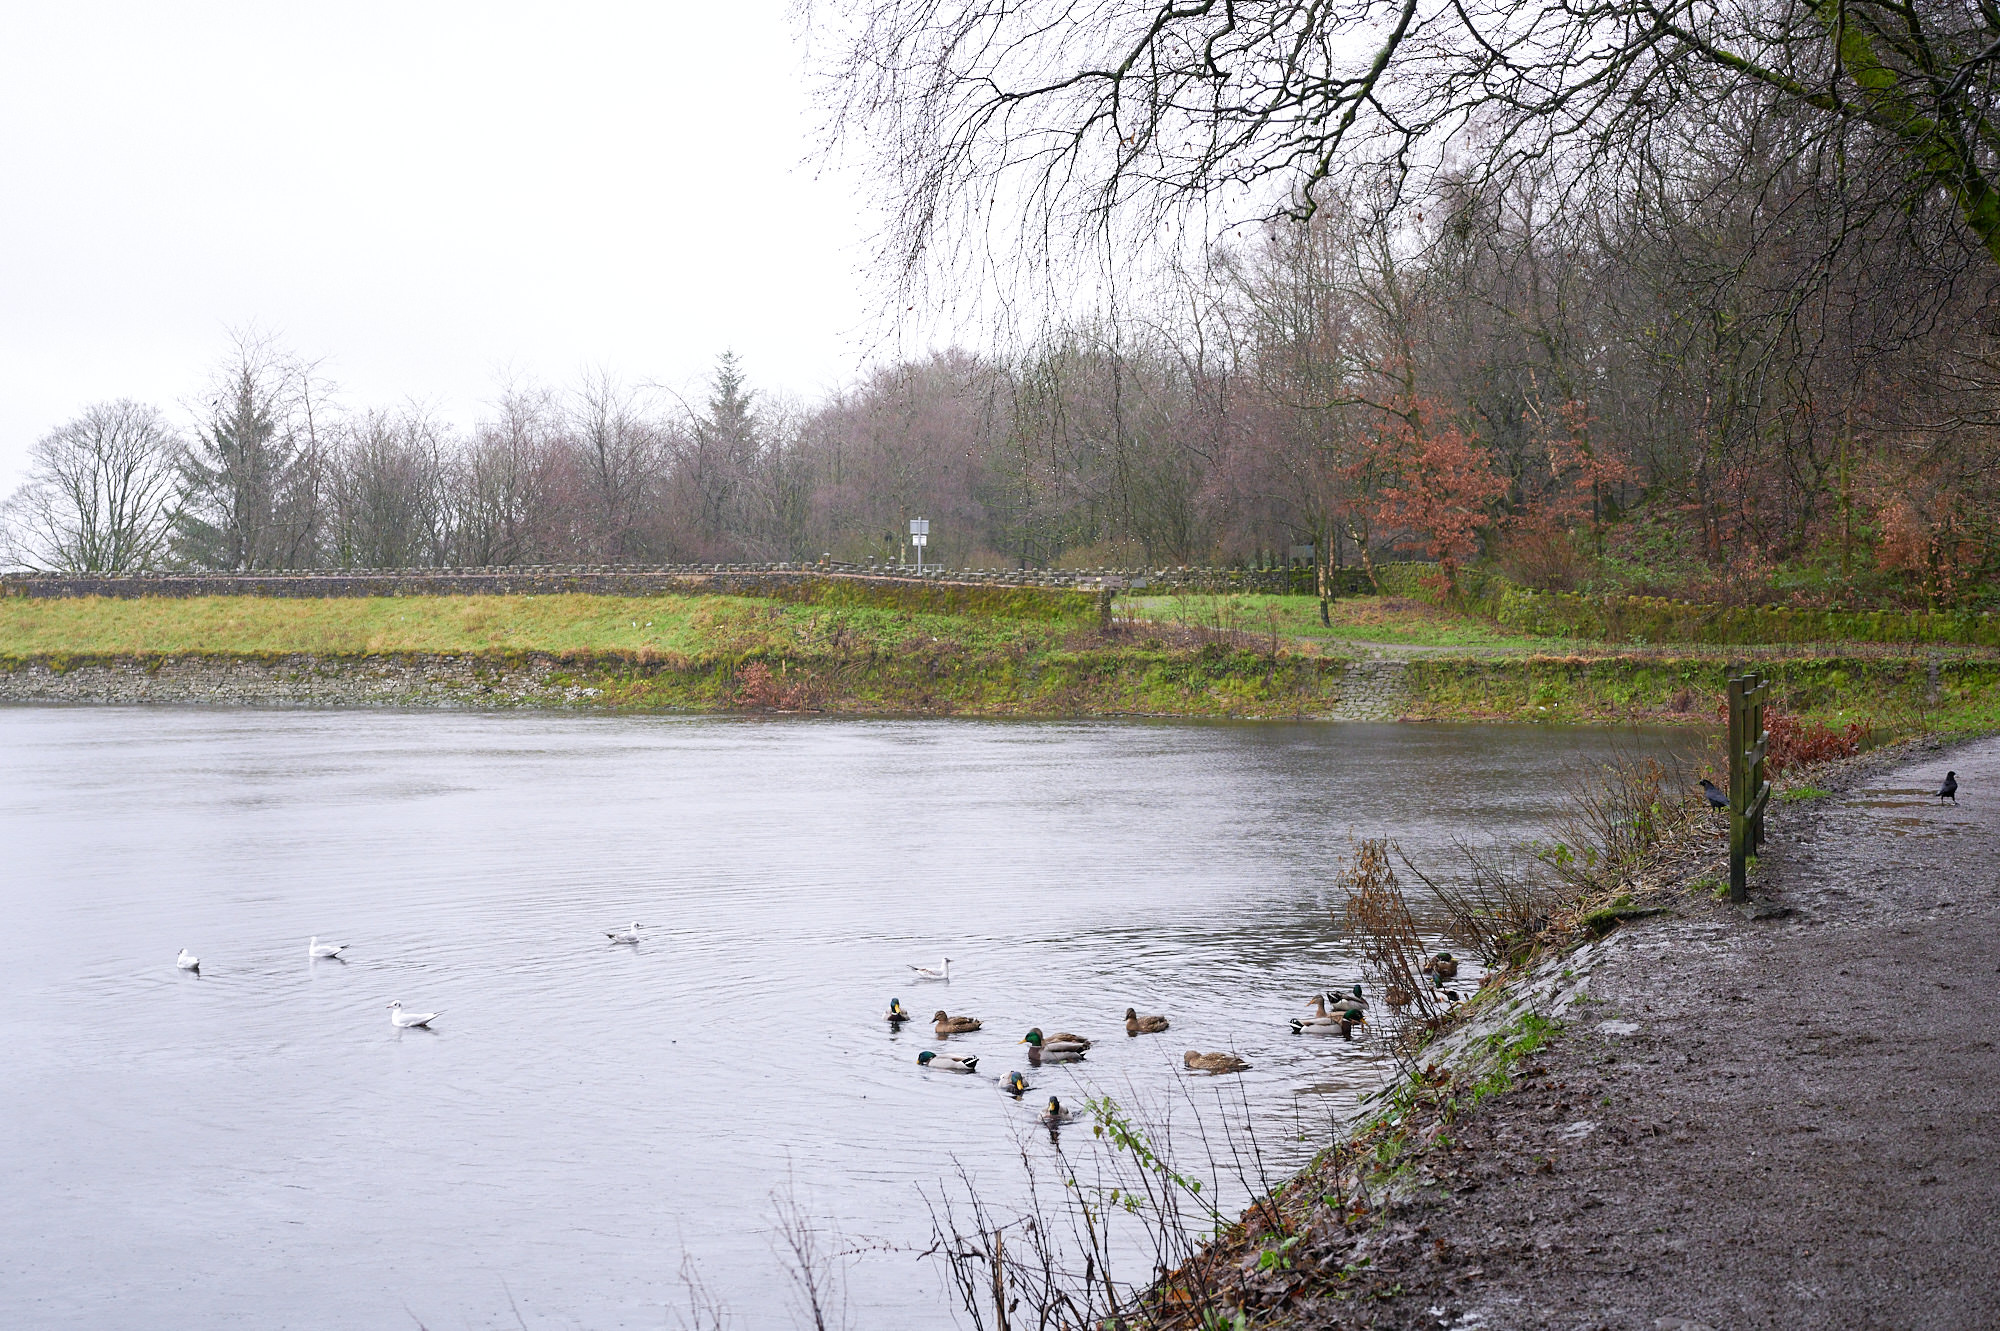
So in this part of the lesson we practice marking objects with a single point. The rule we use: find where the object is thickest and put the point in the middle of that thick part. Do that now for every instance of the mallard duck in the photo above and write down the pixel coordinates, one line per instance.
(403, 1021)
(1016, 1085)
(1138, 1025)
(1037, 1056)
(1055, 1115)
(1328, 1023)
(1062, 1042)
(1346, 998)
(947, 1025)
(1397, 996)
(188, 961)
(319, 951)
(926, 973)
(625, 935)
(898, 1014)
(1199, 1062)
(1442, 966)
(948, 1062)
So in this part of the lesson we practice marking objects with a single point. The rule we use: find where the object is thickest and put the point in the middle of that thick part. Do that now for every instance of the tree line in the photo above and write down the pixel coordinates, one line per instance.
(1738, 380)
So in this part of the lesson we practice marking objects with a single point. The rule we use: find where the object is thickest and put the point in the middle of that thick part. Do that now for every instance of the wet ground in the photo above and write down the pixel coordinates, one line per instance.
(1791, 1120)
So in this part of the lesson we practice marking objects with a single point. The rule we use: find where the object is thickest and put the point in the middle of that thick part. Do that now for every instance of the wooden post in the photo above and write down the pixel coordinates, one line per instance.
(1749, 791)
(999, 1282)
(1739, 782)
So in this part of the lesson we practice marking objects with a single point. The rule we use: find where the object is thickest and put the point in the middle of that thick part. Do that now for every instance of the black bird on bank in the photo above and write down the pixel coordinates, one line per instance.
(1949, 790)
(1716, 799)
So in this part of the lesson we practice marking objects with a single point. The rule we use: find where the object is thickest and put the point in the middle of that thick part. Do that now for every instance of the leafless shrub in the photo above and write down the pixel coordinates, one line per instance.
(1612, 816)
(704, 1310)
(810, 1253)
(1375, 915)
(1125, 1237)
(1505, 901)
(1498, 907)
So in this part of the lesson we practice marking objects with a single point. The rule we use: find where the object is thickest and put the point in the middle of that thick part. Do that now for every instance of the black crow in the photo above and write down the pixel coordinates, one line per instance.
(1716, 799)
(1949, 790)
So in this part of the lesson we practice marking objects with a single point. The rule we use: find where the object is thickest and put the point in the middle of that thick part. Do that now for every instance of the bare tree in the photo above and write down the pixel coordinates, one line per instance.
(387, 488)
(101, 494)
(620, 455)
(506, 509)
(1053, 120)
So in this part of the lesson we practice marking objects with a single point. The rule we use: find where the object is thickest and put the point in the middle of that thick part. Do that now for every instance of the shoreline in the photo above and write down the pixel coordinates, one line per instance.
(1684, 1096)
(1095, 675)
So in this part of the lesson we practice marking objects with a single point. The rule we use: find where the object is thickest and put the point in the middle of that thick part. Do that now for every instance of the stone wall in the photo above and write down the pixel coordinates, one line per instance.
(770, 579)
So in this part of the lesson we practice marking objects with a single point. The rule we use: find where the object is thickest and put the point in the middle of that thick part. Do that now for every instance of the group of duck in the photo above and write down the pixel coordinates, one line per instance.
(1334, 1012)
(1053, 1047)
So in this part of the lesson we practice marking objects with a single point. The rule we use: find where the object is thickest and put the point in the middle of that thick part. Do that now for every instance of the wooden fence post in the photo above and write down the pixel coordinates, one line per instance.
(1749, 791)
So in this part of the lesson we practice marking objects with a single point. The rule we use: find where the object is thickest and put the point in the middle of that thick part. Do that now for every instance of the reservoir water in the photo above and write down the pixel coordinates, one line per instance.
(255, 1146)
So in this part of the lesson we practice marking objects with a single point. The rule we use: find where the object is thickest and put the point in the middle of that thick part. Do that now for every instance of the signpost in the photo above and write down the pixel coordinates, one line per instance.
(920, 535)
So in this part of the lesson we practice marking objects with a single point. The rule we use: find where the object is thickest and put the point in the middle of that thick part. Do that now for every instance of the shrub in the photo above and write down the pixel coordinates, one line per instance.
(1796, 743)
(758, 689)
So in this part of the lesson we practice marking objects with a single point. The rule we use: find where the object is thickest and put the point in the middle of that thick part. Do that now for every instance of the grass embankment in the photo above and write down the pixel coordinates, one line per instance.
(1888, 695)
(1168, 656)
(1465, 668)
(1373, 620)
(706, 652)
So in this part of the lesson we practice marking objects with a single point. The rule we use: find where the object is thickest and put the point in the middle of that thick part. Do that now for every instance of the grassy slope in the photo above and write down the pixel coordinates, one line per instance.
(1371, 619)
(1888, 695)
(681, 625)
(697, 651)
(691, 651)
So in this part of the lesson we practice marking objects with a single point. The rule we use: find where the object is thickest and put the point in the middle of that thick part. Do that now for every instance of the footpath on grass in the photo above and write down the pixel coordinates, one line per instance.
(1782, 1117)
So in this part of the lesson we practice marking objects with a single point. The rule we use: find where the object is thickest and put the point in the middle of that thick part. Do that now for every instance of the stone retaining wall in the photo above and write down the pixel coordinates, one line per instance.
(301, 680)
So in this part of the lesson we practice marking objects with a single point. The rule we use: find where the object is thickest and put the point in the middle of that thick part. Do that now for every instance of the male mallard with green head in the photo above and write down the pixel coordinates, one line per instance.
(1346, 998)
(898, 1014)
(1198, 1062)
(1443, 966)
(1343, 1020)
(1138, 1025)
(1055, 1115)
(1016, 1085)
(948, 1062)
(954, 1025)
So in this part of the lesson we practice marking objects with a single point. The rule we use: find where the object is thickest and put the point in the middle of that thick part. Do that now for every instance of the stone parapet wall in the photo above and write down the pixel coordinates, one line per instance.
(767, 579)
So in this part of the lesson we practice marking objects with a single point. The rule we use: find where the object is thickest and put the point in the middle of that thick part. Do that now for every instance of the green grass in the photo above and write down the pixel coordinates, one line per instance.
(703, 652)
(1384, 619)
(678, 625)
(1888, 695)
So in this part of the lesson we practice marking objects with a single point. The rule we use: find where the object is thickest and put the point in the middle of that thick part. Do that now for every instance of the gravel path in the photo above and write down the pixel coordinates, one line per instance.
(1784, 1121)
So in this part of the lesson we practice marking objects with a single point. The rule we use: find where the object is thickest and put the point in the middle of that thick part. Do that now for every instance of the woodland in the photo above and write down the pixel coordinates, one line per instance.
(1705, 320)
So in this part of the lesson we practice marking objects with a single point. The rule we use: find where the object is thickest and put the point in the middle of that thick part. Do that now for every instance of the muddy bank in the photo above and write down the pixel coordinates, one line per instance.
(1712, 1118)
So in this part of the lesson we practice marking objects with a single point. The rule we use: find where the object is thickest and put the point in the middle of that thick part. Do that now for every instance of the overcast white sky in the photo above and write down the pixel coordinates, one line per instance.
(425, 193)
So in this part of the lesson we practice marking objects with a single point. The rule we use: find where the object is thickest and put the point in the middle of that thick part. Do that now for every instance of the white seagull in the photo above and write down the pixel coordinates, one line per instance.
(188, 961)
(926, 973)
(402, 1020)
(316, 949)
(626, 935)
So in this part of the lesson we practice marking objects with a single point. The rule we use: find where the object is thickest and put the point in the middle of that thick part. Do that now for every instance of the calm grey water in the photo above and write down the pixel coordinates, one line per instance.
(257, 1147)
